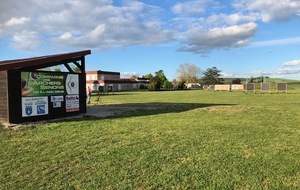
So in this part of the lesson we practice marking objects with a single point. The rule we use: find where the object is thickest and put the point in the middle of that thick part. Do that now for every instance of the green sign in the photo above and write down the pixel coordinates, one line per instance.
(48, 84)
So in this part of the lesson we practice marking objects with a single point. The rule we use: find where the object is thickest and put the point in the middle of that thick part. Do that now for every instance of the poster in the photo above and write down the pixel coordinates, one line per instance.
(57, 98)
(48, 83)
(72, 103)
(56, 101)
(56, 104)
(34, 106)
(72, 84)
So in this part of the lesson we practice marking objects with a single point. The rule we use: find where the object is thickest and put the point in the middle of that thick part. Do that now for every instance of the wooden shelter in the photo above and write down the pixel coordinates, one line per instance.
(41, 88)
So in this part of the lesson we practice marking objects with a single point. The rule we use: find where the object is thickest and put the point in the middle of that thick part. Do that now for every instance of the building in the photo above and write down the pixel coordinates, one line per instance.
(193, 85)
(35, 89)
(108, 81)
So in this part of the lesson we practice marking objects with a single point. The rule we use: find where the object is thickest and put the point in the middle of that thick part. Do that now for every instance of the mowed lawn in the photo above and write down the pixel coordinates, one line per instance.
(175, 140)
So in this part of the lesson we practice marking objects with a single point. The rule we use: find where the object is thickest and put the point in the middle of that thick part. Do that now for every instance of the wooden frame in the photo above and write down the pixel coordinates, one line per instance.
(281, 87)
(222, 87)
(249, 87)
(265, 87)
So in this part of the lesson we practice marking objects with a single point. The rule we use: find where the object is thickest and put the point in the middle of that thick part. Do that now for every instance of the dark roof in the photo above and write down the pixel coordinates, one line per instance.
(20, 63)
(120, 81)
(103, 72)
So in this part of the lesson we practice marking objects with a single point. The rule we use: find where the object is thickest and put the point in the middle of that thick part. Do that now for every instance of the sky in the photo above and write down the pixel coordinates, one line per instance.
(242, 38)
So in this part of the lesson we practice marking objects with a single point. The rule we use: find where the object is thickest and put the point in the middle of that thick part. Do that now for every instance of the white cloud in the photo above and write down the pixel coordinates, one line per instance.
(292, 63)
(97, 32)
(16, 21)
(197, 7)
(285, 41)
(277, 72)
(120, 32)
(231, 19)
(129, 74)
(261, 73)
(227, 74)
(66, 36)
(89, 24)
(285, 71)
(202, 42)
(271, 10)
(27, 40)
(101, 24)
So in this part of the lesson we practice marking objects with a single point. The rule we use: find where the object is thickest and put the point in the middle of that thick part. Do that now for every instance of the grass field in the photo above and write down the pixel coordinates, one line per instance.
(191, 140)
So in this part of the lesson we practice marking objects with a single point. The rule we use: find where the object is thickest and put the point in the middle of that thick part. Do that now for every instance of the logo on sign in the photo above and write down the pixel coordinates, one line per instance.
(57, 98)
(41, 109)
(28, 110)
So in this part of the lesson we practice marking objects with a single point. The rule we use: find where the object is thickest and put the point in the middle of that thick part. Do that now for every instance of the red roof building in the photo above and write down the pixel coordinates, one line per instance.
(107, 81)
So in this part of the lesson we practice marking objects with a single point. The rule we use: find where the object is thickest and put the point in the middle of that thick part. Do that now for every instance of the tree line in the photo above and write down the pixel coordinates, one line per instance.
(186, 73)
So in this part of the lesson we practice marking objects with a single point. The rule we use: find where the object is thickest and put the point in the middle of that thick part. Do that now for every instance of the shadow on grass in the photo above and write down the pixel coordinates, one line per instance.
(111, 111)
(142, 109)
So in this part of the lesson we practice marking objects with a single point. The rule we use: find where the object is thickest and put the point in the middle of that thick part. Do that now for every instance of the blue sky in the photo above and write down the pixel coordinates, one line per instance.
(243, 38)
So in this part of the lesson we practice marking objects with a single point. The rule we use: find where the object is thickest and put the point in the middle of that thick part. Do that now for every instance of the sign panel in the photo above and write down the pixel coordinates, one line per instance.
(72, 103)
(222, 87)
(49, 83)
(250, 86)
(265, 86)
(72, 84)
(237, 87)
(282, 86)
(57, 98)
(34, 106)
(56, 104)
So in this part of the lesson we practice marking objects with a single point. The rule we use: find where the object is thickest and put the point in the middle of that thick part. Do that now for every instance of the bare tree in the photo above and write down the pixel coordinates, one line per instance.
(188, 73)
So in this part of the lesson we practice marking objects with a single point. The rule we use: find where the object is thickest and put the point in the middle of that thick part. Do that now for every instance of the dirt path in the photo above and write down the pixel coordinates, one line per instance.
(110, 110)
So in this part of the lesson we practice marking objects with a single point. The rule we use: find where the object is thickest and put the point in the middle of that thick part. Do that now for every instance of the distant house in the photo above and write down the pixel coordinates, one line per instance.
(142, 82)
(108, 81)
(193, 85)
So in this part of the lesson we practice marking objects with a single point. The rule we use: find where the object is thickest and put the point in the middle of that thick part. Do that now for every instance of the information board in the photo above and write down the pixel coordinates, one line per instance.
(281, 86)
(265, 87)
(49, 83)
(250, 87)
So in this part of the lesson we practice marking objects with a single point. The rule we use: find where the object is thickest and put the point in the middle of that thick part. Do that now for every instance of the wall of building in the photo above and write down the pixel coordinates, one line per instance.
(14, 93)
(3, 97)
(108, 77)
(92, 77)
(102, 75)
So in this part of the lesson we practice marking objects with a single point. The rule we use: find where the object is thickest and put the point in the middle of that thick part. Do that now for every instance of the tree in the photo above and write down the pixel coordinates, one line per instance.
(57, 69)
(167, 85)
(161, 75)
(188, 73)
(236, 81)
(211, 76)
(181, 85)
(157, 81)
(76, 69)
(251, 79)
(149, 76)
